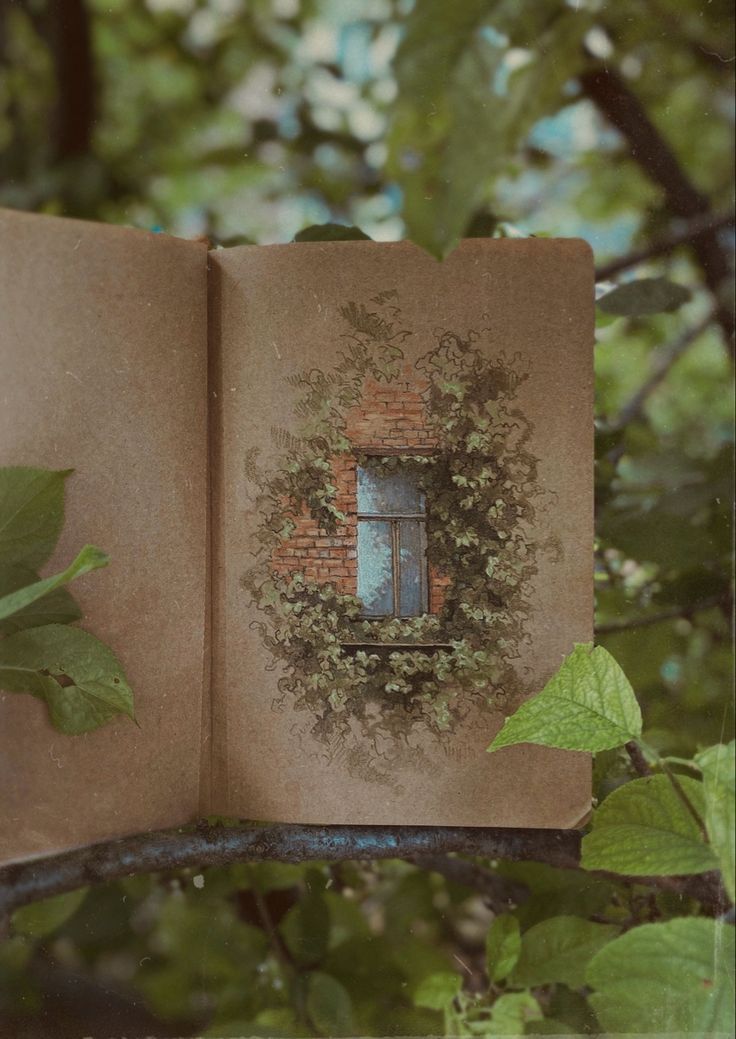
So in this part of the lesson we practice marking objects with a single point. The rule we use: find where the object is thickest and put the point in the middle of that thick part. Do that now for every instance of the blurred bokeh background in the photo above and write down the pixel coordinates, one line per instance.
(249, 120)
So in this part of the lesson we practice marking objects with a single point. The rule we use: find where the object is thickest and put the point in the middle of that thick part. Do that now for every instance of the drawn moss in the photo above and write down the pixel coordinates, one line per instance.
(366, 698)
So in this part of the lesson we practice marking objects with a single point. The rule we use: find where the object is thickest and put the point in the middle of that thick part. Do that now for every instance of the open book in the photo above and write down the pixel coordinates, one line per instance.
(347, 493)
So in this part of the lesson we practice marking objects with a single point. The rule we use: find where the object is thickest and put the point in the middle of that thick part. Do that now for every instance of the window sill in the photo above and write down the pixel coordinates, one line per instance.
(390, 647)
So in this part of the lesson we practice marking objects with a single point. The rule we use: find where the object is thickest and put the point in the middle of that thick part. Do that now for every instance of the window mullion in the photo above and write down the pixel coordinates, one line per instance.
(423, 566)
(396, 566)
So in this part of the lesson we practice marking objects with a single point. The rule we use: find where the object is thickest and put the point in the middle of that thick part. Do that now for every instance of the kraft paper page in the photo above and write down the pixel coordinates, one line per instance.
(403, 527)
(103, 369)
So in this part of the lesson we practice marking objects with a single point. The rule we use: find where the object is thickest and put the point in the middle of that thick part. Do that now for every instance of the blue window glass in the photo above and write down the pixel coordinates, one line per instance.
(375, 569)
(412, 585)
(392, 493)
(392, 567)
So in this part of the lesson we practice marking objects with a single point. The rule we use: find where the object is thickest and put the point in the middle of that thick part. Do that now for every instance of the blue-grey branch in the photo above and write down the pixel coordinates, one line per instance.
(25, 882)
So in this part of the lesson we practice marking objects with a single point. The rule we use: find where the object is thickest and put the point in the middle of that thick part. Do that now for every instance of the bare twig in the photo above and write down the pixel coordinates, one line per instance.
(611, 95)
(686, 802)
(662, 362)
(637, 759)
(673, 612)
(666, 244)
(279, 949)
(706, 888)
(26, 882)
(499, 892)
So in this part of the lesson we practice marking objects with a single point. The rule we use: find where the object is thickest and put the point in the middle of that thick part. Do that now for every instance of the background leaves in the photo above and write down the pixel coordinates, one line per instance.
(250, 122)
(79, 679)
(559, 949)
(644, 296)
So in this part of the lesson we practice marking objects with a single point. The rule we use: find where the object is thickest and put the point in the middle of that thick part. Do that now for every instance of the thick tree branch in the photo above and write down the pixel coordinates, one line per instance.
(26, 882)
(426, 846)
(666, 244)
(613, 98)
(71, 46)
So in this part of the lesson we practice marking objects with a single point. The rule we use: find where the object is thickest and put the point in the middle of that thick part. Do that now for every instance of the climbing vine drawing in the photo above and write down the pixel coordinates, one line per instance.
(372, 684)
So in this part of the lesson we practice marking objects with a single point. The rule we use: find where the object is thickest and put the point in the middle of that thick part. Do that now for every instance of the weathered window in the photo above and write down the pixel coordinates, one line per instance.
(392, 566)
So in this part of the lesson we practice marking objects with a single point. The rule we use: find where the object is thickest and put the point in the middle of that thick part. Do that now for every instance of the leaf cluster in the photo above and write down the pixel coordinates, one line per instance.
(76, 676)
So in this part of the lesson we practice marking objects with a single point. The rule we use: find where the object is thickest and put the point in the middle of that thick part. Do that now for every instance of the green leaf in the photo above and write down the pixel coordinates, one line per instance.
(306, 927)
(719, 766)
(90, 558)
(588, 705)
(274, 1023)
(503, 945)
(644, 296)
(556, 892)
(462, 110)
(31, 514)
(437, 991)
(56, 607)
(511, 1013)
(329, 1005)
(331, 233)
(270, 876)
(558, 950)
(644, 829)
(666, 978)
(41, 918)
(32, 660)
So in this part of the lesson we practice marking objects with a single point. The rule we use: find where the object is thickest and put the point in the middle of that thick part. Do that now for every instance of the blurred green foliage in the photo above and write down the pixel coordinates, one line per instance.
(250, 121)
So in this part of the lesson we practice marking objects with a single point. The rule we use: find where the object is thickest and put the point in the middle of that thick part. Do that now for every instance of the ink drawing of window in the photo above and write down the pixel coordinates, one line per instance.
(392, 568)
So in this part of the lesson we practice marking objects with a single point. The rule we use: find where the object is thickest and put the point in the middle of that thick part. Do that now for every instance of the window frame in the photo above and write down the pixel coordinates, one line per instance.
(395, 519)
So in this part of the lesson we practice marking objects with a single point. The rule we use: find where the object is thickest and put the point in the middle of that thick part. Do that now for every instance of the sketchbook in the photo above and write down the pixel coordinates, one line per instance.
(347, 491)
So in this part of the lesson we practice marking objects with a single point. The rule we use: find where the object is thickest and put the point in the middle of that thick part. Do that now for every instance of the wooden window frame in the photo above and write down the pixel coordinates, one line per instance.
(395, 520)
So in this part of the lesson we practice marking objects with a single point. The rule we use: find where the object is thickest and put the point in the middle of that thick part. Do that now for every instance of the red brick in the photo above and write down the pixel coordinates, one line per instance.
(388, 416)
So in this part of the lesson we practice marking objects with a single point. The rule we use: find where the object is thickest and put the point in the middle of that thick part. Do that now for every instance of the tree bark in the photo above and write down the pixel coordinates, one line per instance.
(613, 98)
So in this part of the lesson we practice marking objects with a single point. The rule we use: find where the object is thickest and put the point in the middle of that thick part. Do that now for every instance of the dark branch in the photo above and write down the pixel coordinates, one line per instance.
(500, 893)
(216, 846)
(71, 46)
(426, 846)
(637, 759)
(672, 613)
(666, 244)
(662, 362)
(613, 98)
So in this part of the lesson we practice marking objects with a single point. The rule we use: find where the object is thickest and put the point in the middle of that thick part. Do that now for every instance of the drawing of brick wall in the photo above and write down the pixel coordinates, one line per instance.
(390, 419)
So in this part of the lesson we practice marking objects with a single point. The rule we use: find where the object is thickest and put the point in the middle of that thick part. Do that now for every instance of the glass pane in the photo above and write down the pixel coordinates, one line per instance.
(388, 493)
(412, 586)
(375, 576)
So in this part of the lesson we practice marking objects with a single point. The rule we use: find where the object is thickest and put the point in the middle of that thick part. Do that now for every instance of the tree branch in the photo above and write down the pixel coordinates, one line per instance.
(662, 362)
(26, 882)
(673, 612)
(500, 893)
(666, 244)
(637, 759)
(425, 846)
(71, 47)
(613, 98)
